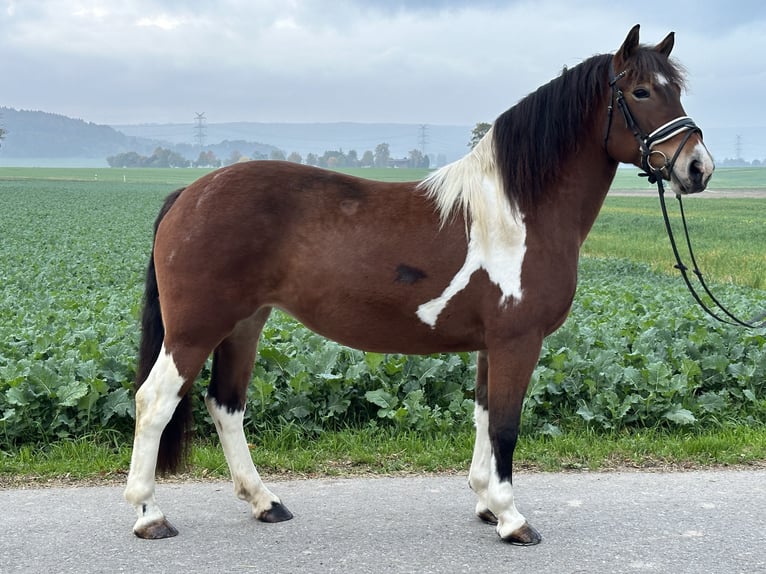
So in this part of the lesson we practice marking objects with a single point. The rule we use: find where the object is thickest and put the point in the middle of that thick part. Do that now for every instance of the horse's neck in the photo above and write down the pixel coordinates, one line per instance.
(579, 193)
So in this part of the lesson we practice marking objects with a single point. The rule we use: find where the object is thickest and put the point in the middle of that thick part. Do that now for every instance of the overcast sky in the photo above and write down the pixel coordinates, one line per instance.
(412, 61)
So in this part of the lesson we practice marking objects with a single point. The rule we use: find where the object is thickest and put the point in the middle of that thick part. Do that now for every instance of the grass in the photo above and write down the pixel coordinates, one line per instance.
(286, 453)
(728, 236)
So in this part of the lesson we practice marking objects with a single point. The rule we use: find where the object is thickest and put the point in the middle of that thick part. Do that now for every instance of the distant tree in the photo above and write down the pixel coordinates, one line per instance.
(234, 157)
(295, 157)
(277, 154)
(207, 159)
(351, 159)
(311, 159)
(382, 155)
(333, 159)
(163, 157)
(415, 157)
(368, 160)
(127, 159)
(160, 158)
(259, 155)
(478, 132)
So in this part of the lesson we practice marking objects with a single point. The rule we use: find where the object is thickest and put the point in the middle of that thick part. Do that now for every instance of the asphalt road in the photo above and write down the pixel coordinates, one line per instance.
(634, 522)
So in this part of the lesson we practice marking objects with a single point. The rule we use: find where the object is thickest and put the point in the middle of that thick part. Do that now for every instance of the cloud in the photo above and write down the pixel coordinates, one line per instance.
(424, 61)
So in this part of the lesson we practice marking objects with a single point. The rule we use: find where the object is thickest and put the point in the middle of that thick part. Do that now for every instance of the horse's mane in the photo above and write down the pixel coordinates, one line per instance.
(521, 155)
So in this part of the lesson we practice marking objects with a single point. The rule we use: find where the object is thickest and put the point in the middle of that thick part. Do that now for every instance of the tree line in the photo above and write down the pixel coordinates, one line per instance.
(380, 157)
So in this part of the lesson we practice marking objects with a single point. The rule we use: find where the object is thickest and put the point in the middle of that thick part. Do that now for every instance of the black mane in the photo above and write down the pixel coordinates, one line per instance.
(534, 137)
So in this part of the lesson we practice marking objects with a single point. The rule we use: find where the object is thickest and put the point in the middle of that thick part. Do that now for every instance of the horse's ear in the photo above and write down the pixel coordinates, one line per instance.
(629, 46)
(666, 46)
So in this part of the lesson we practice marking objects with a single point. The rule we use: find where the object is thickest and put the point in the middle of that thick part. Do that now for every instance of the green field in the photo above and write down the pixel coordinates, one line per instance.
(724, 179)
(728, 236)
(635, 355)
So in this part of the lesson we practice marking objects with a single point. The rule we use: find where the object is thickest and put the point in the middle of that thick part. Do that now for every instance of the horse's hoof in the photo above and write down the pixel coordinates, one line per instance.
(277, 513)
(525, 535)
(487, 516)
(156, 530)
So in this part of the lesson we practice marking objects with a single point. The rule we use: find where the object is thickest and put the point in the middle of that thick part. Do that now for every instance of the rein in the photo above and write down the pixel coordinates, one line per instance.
(656, 175)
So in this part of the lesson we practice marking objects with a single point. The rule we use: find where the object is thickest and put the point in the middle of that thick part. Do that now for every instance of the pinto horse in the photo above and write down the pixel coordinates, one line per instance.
(480, 256)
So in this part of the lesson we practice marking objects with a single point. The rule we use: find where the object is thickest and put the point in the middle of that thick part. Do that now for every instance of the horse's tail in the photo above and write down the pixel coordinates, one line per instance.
(174, 441)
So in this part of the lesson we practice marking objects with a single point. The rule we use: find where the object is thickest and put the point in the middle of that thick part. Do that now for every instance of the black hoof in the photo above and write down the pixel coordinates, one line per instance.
(487, 516)
(156, 530)
(277, 513)
(524, 536)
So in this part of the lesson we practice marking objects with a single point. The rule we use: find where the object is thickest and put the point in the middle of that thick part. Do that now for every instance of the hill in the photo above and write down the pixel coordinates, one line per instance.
(36, 138)
(52, 139)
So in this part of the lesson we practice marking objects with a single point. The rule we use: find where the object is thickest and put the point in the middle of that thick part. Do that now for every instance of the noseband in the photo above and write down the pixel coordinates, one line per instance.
(646, 142)
(655, 175)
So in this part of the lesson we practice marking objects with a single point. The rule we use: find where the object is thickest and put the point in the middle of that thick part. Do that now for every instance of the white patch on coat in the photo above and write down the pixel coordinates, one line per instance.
(247, 482)
(478, 475)
(156, 401)
(496, 231)
(661, 79)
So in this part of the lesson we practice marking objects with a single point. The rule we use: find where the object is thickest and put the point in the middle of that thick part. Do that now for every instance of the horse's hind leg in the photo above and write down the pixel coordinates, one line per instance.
(232, 369)
(478, 476)
(156, 401)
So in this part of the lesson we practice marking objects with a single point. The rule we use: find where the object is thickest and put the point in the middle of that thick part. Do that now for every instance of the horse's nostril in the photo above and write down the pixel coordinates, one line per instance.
(696, 171)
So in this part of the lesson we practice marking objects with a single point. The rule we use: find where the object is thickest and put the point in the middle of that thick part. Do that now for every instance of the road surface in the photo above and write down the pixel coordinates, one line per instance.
(621, 522)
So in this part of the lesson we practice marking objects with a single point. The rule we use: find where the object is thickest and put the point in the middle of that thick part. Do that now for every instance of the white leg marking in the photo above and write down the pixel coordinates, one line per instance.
(156, 401)
(247, 482)
(496, 243)
(478, 476)
(501, 503)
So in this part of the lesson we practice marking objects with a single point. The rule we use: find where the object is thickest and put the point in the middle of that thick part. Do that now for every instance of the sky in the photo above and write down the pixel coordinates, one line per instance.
(452, 62)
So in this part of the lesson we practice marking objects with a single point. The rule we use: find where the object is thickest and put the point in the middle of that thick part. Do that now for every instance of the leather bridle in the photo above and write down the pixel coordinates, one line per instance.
(646, 143)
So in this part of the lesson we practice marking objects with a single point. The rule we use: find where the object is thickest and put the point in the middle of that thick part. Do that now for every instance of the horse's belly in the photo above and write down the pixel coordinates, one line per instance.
(376, 328)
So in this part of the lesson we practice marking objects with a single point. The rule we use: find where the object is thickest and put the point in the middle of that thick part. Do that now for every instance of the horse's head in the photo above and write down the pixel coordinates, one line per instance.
(656, 135)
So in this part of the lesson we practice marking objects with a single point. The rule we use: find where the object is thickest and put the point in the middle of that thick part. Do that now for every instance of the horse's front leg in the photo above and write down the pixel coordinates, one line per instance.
(510, 367)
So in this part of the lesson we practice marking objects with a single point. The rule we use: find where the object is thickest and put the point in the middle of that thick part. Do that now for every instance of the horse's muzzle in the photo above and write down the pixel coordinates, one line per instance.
(692, 171)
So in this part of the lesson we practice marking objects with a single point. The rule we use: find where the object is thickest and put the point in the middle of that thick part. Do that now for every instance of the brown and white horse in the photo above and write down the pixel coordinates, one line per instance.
(481, 256)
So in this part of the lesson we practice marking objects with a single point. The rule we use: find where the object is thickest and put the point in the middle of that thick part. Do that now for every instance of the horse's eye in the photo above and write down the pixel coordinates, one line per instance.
(641, 93)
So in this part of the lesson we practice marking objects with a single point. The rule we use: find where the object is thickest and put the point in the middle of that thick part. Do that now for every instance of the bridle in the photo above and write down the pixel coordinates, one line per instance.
(646, 143)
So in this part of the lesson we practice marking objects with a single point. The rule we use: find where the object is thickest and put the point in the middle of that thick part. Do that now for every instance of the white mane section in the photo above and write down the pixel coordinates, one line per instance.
(473, 186)
(495, 229)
